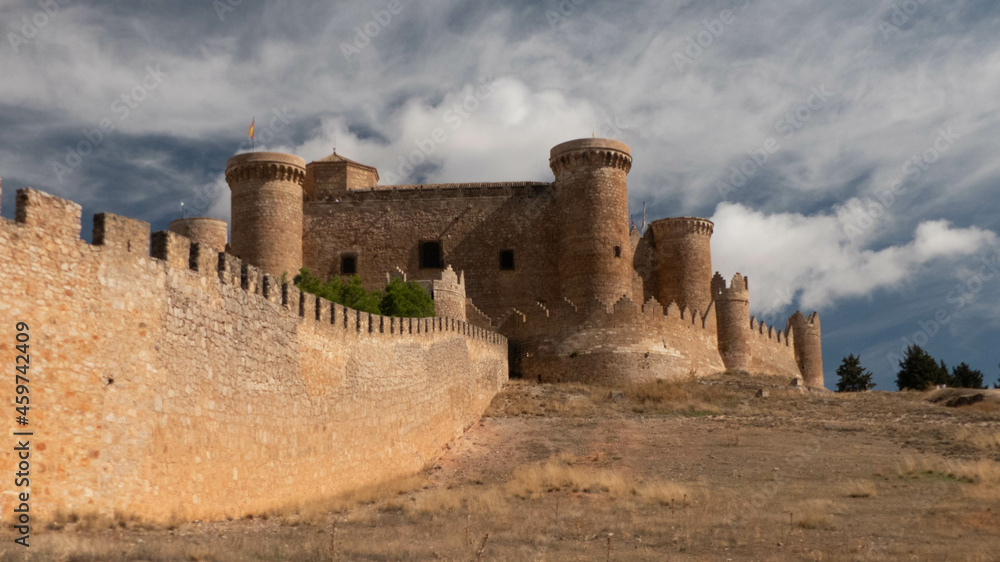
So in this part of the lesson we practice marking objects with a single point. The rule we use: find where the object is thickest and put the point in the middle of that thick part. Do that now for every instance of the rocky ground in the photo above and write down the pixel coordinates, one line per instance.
(713, 469)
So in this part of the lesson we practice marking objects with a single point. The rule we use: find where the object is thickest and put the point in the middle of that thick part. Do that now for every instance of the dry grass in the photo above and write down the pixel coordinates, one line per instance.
(860, 489)
(559, 473)
(665, 493)
(683, 396)
(92, 521)
(687, 397)
(317, 511)
(792, 477)
(814, 514)
(984, 440)
(970, 472)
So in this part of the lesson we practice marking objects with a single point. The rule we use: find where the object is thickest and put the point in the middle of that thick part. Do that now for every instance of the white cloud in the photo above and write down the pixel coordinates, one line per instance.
(810, 260)
(490, 130)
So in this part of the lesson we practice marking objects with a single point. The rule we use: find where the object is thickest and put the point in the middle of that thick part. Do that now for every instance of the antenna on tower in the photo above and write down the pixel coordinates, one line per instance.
(335, 142)
(182, 209)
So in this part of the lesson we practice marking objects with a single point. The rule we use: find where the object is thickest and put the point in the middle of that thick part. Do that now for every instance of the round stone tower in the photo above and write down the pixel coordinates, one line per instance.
(808, 347)
(684, 262)
(592, 218)
(267, 210)
(202, 230)
(732, 311)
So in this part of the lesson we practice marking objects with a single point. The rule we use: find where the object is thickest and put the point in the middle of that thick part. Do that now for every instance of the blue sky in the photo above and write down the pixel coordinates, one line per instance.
(846, 150)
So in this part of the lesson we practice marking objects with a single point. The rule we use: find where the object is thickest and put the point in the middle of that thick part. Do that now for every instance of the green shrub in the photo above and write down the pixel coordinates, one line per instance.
(405, 300)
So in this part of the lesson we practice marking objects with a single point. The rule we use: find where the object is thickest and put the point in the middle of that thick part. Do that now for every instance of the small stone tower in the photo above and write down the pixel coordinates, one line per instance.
(330, 178)
(732, 309)
(202, 230)
(684, 262)
(449, 295)
(267, 210)
(591, 209)
(808, 347)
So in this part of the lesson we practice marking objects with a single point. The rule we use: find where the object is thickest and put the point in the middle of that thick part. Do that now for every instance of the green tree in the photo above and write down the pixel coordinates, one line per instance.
(853, 377)
(331, 290)
(398, 299)
(407, 300)
(919, 371)
(964, 376)
(353, 295)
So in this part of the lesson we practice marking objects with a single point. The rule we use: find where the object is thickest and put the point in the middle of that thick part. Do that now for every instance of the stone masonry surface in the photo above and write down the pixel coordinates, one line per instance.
(175, 377)
(190, 384)
(525, 252)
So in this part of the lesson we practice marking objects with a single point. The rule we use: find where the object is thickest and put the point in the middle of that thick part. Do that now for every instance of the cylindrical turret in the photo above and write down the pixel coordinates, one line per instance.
(732, 312)
(592, 204)
(449, 295)
(267, 210)
(684, 262)
(808, 347)
(202, 230)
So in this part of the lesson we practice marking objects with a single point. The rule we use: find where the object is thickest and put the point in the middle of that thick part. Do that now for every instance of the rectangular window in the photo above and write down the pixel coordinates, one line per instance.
(348, 264)
(430, 255)
(618, 251)
(506, 260)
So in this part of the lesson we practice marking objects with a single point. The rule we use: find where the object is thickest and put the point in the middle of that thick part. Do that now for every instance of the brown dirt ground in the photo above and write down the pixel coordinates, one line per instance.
(698, 470)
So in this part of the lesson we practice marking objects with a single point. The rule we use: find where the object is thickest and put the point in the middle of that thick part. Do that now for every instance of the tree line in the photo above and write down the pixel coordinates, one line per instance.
(917, 371)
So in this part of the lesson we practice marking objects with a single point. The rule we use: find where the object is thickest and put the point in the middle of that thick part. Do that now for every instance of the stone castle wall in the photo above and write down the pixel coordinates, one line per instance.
(204, 230)
(772, 351)
(383, 227)
(189, 384)
(595, 343)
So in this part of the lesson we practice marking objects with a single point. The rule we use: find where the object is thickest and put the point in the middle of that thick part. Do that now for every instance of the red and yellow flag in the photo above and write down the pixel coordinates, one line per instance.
(250, 132)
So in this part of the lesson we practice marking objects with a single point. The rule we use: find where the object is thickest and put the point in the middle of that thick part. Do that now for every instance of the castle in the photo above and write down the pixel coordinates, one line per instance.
(170, 377)
(555, 267)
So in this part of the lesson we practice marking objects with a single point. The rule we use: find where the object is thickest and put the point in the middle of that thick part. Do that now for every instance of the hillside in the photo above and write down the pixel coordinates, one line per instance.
(700, 470)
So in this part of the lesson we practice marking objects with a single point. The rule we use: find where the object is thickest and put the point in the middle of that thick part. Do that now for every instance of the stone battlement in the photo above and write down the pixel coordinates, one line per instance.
(691, 225)
(191, 384)
(266, 166)
(590, 153)
(737, 289)
(600, 343)
(443, 191)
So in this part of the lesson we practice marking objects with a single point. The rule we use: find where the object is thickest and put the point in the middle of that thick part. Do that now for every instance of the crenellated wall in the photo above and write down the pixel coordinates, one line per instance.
(190, 384)
(772, 351)
(595, 343)
(525, 247)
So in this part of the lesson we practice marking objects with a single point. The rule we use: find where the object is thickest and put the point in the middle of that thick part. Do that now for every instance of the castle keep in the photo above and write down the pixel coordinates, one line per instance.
(555, 266)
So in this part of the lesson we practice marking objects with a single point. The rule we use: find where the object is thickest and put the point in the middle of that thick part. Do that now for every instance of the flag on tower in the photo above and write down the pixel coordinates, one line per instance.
(250, 132)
